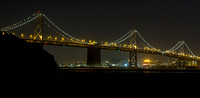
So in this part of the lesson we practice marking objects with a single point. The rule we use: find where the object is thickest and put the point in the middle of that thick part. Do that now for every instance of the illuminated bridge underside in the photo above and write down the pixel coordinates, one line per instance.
(81, 45)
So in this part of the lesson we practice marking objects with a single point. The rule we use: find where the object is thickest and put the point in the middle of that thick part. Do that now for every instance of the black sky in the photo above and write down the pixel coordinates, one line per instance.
(161, 22)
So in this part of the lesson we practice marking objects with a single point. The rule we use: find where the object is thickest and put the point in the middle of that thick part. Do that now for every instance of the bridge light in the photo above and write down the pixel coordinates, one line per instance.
(135, 46)
(115, 44)
(72, 39)
(90, 41)
(49, 37)
(106, 43)
(3, 33)
(63, 39)
(13, 33)
(125, 65)
(31, 36)
(40, 37)
(147, 61)
(22, 35)
(83, 40)
(56, 38)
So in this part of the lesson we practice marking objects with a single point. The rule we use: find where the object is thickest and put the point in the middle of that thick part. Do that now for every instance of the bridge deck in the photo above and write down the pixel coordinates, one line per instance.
(81, 45)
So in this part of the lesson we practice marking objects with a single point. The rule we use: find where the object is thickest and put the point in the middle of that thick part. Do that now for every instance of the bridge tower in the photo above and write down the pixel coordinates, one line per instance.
(133, 45)
(181, 60)
(38, 32)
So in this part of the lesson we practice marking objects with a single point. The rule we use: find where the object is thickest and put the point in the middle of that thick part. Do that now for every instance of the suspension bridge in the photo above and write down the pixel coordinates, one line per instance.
(131, 42)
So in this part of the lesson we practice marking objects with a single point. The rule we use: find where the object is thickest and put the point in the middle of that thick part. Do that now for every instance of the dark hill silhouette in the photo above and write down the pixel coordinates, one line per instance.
(22, 60)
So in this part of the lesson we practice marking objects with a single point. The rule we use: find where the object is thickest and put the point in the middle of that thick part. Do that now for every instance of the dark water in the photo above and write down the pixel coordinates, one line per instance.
(135, 83)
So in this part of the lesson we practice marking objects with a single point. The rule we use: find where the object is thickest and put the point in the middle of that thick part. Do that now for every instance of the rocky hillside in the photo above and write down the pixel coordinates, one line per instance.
(23, 60)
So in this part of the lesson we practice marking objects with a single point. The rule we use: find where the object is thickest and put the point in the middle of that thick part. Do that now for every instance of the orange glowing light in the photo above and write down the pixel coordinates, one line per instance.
(147, 61)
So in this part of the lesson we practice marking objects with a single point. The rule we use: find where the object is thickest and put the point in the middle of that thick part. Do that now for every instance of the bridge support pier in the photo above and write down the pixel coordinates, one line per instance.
(181, 62)
(93, 57)
(133, 59)
(198, 64)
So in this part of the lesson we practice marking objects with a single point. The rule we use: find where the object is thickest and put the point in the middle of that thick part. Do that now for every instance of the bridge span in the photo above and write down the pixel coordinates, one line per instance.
(180, 51)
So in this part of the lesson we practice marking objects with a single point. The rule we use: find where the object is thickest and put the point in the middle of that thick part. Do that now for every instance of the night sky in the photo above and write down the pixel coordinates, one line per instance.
(161, 22)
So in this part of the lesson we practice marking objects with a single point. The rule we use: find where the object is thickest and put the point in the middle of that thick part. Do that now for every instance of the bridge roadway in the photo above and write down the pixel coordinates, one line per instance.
(108, 47)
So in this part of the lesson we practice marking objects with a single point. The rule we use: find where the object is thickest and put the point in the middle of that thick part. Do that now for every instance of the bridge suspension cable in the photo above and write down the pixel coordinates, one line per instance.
(62, 30)
(144, 40)
(177, 46)
(63, 33)
(189, 49)
(128, 35)
(125, 38)
(53, 29)
(19, 24)
(116, 41)
(57, 32)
